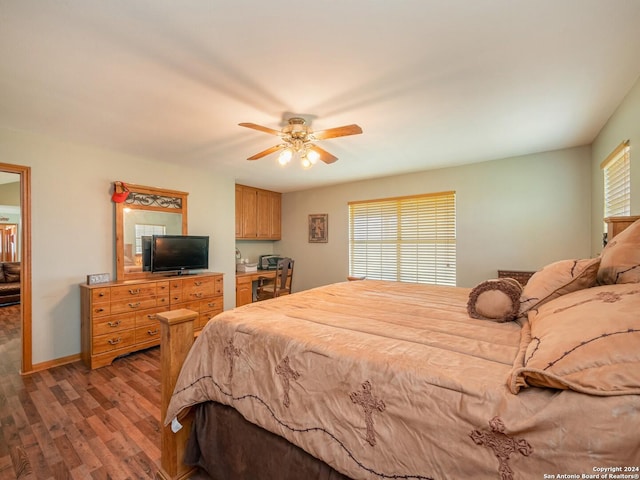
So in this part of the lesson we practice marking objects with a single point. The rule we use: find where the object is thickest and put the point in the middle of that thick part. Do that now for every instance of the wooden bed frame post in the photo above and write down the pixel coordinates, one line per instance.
(176, 330)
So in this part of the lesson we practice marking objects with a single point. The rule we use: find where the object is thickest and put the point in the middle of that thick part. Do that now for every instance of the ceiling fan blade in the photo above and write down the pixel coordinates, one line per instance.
(325, 156)
(338, 132)
(266, 152)
(260, 128)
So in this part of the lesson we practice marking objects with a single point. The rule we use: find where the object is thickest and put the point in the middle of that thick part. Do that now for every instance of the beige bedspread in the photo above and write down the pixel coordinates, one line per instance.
(392, 380)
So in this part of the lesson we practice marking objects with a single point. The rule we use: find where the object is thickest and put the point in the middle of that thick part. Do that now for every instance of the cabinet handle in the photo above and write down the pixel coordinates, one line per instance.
(133, 291)
(99, 310)
(212, 304)
(197, 283)
(114, 324)
(101, 294)
(151, 316)
(134, 305)
(115, 341)
(198, 295)
(152, 332)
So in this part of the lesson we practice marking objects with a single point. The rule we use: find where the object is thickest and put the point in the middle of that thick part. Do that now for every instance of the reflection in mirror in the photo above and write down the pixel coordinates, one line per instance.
(10, 217)
(142, 223)
(146, 211)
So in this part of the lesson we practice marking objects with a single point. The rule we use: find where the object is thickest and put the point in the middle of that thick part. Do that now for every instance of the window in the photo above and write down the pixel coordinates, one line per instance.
(617, 182)
(144, 230)
(408, 239)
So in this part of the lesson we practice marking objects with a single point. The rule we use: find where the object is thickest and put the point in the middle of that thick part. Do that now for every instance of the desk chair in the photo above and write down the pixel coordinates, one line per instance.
(280, 285)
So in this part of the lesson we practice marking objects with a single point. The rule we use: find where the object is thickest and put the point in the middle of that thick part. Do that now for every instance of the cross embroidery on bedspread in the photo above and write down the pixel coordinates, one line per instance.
(231, 352)
(286, 374)
(369, 404)
(502, 445)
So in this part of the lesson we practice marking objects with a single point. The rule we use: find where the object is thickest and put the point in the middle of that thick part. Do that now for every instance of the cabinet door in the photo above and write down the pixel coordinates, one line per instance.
(264, 214)
(244, 291)
(275, 204)
(249, 223)
(239, 216)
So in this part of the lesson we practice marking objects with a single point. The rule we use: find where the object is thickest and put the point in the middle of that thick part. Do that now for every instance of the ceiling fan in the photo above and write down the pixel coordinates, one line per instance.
(297, 140)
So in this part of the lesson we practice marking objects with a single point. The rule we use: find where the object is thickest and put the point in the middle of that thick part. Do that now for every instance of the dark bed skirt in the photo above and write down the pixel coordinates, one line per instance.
(227, 447)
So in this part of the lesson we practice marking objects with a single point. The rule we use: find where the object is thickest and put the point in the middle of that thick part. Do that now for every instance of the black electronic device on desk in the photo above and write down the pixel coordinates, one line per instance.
(268, 262)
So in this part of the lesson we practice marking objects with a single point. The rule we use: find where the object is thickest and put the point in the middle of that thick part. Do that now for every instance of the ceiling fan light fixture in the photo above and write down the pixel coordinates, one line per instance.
(312, 156)
(306, 163)
(285, 156)
(297, 136)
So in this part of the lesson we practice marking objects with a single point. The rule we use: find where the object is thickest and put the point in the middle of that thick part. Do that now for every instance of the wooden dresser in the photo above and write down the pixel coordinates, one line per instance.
(120, 317)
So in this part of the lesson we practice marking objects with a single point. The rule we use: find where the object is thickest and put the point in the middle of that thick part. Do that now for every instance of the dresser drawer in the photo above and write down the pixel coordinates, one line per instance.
(114, 323)
(212, 306)
(163, 288)
(196, 289)
(99, 295)
(133, 305)
(149, 317)
(175, 291)
(100, 309)
(114, 341)
(148, 333)
(163, 300)
(126, 292)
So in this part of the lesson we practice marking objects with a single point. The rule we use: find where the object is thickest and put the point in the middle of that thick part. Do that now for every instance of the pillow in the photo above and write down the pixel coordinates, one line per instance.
(497, 300)
(585, 341)
(556, 279)
(621, 257)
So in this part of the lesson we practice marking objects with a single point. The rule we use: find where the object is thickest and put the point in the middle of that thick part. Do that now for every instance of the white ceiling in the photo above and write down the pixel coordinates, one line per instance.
(431, 82)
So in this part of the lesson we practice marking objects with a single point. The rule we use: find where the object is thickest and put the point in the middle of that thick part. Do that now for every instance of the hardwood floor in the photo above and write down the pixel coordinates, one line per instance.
(70, 422)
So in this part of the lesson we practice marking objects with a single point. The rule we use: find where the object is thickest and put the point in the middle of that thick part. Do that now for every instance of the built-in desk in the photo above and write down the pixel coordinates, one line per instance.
(245, 285)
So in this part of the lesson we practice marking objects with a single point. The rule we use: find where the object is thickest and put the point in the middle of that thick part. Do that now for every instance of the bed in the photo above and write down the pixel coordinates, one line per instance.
(375, 380)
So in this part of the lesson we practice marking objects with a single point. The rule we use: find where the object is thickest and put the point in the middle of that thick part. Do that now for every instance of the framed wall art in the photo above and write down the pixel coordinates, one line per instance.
(318, 228)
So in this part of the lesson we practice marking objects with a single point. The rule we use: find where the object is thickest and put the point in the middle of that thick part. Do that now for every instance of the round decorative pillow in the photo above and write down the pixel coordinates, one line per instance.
(497, 300)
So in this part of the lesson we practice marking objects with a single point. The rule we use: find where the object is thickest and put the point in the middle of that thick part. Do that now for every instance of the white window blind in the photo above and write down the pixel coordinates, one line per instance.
(147, 230)
(617, 182)
(407, 239)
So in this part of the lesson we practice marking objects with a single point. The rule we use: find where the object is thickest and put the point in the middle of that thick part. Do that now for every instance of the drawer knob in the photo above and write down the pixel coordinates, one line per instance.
(115, 341)
(101, 294)
(134, 305)
(99, 310)
(151, 316)
(114, 324)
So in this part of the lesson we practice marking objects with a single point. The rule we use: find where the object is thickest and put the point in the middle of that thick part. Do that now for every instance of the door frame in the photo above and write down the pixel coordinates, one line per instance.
(26, 339)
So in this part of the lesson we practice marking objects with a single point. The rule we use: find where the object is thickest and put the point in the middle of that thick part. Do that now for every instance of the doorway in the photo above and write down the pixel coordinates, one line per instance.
(15, 242)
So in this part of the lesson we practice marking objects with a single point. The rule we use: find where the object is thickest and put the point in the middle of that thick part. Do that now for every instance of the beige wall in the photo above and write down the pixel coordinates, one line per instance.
(623, 125)
(517, 213)
(73, 225)
(10, 192)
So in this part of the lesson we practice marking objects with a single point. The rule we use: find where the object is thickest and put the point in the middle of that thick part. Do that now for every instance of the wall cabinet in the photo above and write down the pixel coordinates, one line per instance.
(258, 214)
(120, 317)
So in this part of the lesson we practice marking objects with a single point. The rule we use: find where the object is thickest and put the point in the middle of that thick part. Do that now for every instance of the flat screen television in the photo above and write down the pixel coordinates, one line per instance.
(179, 253)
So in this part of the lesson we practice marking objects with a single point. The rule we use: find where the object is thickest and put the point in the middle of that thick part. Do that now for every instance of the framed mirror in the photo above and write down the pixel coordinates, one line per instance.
(145, 211)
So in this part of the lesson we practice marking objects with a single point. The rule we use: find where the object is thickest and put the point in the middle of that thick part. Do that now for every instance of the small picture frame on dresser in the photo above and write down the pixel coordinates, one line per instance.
(96, 278)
